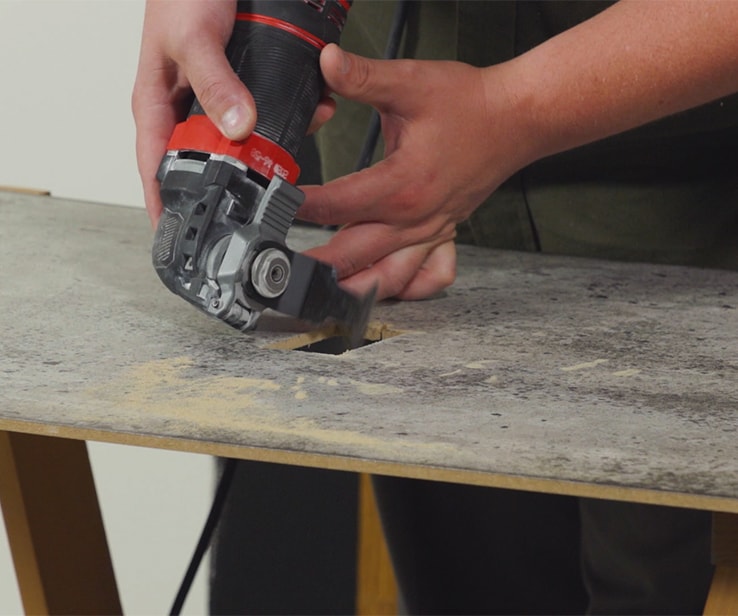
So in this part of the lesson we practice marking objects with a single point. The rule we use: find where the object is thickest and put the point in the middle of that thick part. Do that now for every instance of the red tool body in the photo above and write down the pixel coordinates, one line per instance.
(220, 242)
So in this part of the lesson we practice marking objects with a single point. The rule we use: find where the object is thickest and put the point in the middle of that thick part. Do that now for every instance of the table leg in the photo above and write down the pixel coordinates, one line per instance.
(376, 589)
(723, 596)
(54, 526)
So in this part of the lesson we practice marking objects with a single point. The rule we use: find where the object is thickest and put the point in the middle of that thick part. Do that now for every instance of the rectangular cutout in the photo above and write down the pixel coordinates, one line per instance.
(329, 340)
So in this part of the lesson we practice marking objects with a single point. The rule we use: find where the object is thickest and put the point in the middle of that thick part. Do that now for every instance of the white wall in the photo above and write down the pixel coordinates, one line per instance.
(66, 73)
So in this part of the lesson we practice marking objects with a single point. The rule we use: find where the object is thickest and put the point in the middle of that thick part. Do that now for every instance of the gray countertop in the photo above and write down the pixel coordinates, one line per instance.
(536, 372)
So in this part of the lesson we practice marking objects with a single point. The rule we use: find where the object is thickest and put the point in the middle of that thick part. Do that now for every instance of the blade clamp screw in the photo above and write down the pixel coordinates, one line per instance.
(270, 272)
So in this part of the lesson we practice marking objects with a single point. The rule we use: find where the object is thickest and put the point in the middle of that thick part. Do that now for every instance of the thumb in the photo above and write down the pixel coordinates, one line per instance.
(361, 79)
(223, 96)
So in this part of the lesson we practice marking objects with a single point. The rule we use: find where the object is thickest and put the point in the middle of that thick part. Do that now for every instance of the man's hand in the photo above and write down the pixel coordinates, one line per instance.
(182, 50)
(453, 133)
(445, 152)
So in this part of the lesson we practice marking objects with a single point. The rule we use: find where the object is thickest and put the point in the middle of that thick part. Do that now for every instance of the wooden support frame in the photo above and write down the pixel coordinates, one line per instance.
(723, 597)
(376, 588)
(55, 527)
(63, 564)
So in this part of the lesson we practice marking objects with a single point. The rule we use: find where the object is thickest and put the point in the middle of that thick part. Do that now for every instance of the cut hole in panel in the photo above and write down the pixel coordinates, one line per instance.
(329, 341)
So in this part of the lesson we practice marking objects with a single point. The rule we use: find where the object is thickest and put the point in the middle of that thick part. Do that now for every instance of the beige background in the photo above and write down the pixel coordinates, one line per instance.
(66, 73)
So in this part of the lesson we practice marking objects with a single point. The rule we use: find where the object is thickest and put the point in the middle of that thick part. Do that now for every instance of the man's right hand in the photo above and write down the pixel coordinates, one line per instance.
(182, 50)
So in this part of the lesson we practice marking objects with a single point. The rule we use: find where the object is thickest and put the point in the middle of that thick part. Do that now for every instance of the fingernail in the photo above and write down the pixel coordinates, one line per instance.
(234, 122)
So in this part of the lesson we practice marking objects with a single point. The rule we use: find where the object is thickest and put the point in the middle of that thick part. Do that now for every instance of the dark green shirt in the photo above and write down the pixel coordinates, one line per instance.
(665, 192)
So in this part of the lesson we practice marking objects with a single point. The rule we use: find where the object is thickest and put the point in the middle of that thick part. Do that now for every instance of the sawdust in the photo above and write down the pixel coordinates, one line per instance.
(375, 389)
(193, 406)
(627, 372)
(482, 364)
(584, 365)
(162, 388)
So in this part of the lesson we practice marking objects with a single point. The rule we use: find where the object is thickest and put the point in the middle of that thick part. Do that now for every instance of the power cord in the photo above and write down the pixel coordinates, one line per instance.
(206, 536)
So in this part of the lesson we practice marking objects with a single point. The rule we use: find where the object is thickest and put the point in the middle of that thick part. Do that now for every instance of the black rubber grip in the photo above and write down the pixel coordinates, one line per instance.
(275, 49)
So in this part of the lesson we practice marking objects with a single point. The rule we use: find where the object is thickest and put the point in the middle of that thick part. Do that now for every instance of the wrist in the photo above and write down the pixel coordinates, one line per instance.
(515, 126)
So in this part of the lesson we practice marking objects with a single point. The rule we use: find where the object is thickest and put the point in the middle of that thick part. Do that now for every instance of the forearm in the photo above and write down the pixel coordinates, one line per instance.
(638, 61)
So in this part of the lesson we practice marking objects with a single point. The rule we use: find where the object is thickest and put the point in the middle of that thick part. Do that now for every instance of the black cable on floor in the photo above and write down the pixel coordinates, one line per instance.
(206, 536)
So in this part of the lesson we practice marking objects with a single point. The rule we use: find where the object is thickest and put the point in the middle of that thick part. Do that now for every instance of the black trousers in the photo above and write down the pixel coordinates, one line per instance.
(287, 545)
(470, 550)
(286, 542)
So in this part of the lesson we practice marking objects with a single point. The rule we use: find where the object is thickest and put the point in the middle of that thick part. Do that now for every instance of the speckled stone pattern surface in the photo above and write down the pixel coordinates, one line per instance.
(577, 373)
